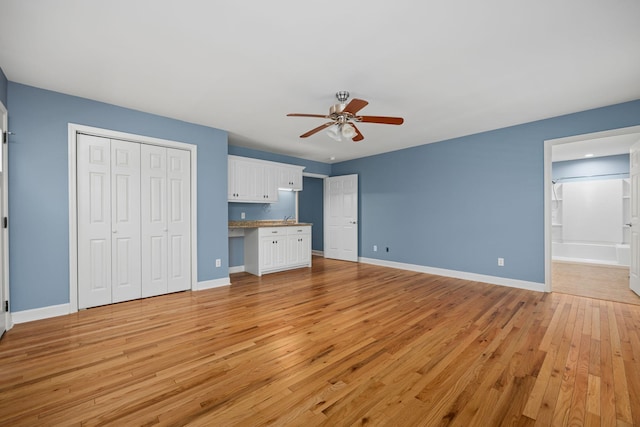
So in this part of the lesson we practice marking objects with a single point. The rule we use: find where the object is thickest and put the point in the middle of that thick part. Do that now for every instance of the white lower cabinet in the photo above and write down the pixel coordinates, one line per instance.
(271, 249)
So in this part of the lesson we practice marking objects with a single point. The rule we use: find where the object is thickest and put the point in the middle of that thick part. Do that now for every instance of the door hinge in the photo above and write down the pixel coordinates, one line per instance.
(5, 222)
(6, 306)
(5, 136)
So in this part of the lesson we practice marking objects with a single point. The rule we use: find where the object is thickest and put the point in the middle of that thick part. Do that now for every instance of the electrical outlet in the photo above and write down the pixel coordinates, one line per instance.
(218, 262)
(375, 248)
(242, 215)
(500, 262)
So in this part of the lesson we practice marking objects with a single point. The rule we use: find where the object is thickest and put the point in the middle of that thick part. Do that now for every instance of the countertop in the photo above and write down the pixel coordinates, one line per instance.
(265, 223)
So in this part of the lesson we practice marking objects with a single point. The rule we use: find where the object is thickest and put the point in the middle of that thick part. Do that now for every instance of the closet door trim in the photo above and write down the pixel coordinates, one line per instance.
(73, 131)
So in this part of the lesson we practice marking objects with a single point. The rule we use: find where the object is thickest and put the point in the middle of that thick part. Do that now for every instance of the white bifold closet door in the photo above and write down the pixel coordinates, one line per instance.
(108, 176)
(166, 220)
(133, 220)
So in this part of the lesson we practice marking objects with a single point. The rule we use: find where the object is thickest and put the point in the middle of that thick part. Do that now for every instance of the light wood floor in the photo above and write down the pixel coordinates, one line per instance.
(593, 281)
(350, 344)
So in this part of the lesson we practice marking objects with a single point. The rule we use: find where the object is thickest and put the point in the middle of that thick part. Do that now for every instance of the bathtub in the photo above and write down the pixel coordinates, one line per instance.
(610, 254)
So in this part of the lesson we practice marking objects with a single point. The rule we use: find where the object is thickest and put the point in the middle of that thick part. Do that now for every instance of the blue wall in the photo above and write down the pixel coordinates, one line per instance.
(311, 206)
(39, 197)
(4, 84)
(462, 203)
(608, 167)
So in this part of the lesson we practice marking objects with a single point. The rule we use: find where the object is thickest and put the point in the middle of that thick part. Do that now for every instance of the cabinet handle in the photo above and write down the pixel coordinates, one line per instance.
(274, 232)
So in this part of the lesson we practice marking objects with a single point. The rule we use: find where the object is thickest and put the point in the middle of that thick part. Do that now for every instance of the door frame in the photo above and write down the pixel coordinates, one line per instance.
(548, 146)
(4, 238)
(73, 131)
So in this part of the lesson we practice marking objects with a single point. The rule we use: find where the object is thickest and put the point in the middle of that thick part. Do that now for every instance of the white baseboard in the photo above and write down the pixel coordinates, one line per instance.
(495, 280)
(210, 284)
(317, 253)
(40, 313)
(236, 269)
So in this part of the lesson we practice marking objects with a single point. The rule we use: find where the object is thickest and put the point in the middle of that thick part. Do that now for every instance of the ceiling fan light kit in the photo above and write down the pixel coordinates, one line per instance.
(343, 117)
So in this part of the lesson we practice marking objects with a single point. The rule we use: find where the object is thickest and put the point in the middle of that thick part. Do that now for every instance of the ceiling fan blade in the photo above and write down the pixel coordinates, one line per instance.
(316, 130)
(324, 116)
(381, 119)
(359, 136)
(355, 105)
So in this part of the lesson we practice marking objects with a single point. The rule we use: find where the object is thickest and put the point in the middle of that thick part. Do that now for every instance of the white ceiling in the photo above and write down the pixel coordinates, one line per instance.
(450, 68)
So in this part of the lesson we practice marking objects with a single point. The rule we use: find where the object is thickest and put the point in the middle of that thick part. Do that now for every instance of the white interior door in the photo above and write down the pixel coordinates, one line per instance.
(3, 315)
(94, 221)
(179, 219)
(4, 247)
(125, 216)
(154, 220)
(341, 217)
(634, 268)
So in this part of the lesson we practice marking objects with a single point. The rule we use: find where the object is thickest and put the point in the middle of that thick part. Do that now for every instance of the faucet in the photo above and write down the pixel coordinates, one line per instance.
(287, 218)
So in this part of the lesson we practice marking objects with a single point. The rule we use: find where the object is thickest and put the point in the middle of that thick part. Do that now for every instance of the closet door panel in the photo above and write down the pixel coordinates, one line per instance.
(154, 220)
(94, 221)
(179, 219)
(125, 213)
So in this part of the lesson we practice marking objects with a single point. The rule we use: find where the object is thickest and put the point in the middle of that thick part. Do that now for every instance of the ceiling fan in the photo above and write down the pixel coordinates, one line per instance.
(343, 117)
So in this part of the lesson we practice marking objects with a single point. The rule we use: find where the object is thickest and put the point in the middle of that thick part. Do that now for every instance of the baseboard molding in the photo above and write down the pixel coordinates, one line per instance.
(236, 269)
(210, 284)
(494, 280)
(40, 313)
(317, 253)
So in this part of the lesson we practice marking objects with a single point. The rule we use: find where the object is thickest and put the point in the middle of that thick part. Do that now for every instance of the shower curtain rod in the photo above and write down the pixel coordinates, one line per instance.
(589, 176)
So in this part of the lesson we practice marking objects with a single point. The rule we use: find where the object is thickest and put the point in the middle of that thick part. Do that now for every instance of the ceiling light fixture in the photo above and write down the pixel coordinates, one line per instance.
(340, 130)
(334, 132)
(589, 155)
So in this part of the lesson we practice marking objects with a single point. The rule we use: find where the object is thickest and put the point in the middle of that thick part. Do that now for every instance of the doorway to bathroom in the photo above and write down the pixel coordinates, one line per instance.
(588, 215)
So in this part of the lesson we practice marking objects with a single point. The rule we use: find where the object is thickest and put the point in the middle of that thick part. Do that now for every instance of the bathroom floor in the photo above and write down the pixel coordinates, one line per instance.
(593, 281)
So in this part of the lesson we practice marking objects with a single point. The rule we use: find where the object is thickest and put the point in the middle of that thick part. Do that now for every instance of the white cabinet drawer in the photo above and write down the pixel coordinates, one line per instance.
(305, 229)
(273, 231)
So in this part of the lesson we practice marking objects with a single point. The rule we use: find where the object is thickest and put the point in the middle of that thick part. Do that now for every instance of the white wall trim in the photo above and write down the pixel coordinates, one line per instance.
(236, 269)
(40, 313)
(73, 130)
(317, 253)
(494, 280)
(548, 160)
(210, 284)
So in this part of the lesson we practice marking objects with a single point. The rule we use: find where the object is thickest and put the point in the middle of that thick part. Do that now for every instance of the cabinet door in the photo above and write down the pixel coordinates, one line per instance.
(248, 185)
(290, 178)
(266, 253)
(304, 249)
(280, 252)
(269, 185)
(273, 252)
(231, 179)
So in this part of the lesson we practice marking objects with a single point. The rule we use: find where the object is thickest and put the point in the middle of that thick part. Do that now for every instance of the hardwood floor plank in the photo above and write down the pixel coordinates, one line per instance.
(339, 344)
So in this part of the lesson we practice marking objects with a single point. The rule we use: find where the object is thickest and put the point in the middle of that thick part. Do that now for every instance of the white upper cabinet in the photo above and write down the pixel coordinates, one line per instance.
(290, 177)
(257, 181)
